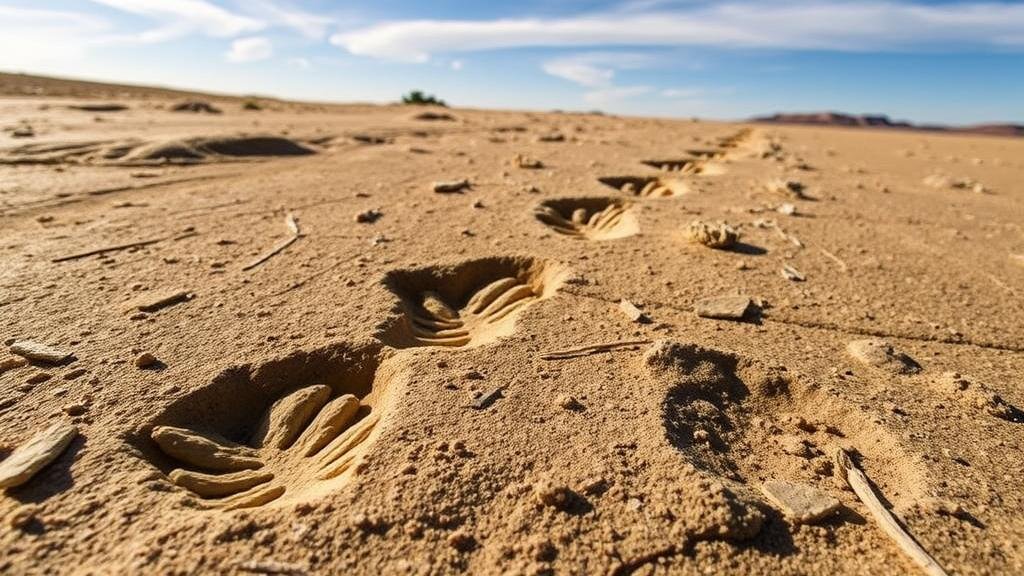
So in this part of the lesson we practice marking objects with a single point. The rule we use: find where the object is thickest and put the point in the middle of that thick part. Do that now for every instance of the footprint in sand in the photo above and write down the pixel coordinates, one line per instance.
(276, 432)
(469, 304)
(647, 186)
(588, 218)
(747, 423)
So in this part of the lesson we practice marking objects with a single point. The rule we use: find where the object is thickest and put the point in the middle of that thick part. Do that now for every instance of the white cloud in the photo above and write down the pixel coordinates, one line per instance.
(613, 94)
(313, 26)
(872, 25)
(456, 65)
(32, 37)
(250, 49)
(179, 17)
(301, 63)
(582, 73)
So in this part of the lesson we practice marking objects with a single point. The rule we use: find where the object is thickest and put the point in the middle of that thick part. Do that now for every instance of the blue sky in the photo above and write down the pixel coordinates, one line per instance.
(927, 61)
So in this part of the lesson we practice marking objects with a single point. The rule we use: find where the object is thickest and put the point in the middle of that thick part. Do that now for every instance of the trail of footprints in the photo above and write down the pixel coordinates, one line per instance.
(284, 441)
(243, 443)
(470, 304)
(588, 218)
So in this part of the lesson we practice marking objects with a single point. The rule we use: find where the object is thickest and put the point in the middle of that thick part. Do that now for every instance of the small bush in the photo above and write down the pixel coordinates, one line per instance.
(418, 98)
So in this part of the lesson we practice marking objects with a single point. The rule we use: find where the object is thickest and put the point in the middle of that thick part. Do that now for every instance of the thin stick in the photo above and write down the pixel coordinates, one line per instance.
(859, 482)
(835, 259)
(293, 227)
(590, 349)
(115, 248)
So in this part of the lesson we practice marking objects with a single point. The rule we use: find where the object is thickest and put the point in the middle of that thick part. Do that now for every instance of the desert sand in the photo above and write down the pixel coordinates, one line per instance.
(256, 336)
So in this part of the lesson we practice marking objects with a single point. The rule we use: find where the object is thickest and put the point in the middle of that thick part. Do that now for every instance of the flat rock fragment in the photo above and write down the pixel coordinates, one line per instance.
(39, 352)
(801, 503)
(34, 455)
(722, 307)
(880, 355)
(450, 186)
(632, 312)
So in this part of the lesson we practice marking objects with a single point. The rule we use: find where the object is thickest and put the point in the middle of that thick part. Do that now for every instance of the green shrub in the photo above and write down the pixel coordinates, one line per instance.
(418, 98)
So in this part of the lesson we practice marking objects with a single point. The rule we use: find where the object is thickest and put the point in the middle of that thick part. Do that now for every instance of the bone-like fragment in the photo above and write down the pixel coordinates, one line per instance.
(256, 497)
(433, 304)
(488, 293)
(328, 424)
(579, 216)
(217, 485)
(204, 450)
(288, 416)
(34, 455)
(515, 294)
(347, 440)
(648, 188)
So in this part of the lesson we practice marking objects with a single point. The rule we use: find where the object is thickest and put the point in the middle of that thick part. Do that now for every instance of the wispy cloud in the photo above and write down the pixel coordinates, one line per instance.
(251, 49)
(186, 16)
(312, 26)
(802, 24)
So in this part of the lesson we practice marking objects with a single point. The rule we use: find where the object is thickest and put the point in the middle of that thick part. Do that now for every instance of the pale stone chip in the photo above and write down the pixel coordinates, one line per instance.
(722, 307)
(632, 312)
(34, 455)
(40, 352)
(879, 354)
(451, 186)
(800, 503)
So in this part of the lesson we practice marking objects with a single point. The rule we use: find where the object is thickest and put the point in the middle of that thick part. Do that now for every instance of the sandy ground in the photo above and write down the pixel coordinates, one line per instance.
(371, 360)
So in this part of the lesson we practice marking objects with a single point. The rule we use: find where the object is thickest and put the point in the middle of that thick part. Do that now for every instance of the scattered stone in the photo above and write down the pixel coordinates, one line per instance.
(552, 137)
(39, 352)
(146, 360)
(800, 503)
(569, 402)
(162, 299)
(368, 216)
(23, 131)
(787, 209)
(23, 517)
(39, 378)
(791, 188)
(713, 235)
(792, 274)
(12, 363)
(549, 493)
(450, 186)
(878, 354)
(75, 409)
(962, 183)
(523, 161)
(632, 312)
(722, 307)
(34, 455)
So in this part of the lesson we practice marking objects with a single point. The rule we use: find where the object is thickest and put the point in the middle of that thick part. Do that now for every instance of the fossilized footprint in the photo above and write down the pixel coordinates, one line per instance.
(305, 436)
(647, 187)
(473, 303)
(590, 218)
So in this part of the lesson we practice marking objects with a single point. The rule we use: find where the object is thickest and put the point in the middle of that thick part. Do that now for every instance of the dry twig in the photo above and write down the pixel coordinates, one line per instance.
(859, 482)
(591, 349)
(293, 227)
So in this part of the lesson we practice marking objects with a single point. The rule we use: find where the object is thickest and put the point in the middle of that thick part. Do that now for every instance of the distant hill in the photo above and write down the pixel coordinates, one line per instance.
(883, 121)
